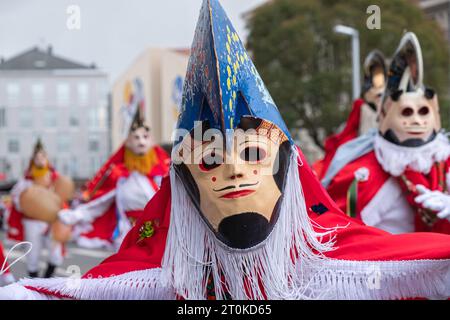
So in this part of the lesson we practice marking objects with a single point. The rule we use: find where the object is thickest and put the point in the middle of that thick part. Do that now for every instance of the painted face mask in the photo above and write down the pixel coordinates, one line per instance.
(236, 183)
(39, 159)
(374, 79)
(234, 170)
(138, 141)
(410, 112)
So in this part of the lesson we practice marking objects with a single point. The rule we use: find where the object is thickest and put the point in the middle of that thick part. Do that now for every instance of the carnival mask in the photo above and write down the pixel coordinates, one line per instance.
(410, 113)
(236, 182)
(139, 141)
(40, 159)
(412, 119)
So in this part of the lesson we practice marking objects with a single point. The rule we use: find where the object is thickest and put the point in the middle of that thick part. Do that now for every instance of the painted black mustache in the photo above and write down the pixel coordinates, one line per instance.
(240, 186)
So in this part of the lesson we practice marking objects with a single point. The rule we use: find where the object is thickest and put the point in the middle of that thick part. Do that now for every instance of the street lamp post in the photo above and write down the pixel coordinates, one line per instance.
(355, 56)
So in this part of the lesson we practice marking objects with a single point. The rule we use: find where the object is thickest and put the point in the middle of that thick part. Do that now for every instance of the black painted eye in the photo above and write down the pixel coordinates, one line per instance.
(210, 161)
(407, 112)
(252, 154)
(424, 111)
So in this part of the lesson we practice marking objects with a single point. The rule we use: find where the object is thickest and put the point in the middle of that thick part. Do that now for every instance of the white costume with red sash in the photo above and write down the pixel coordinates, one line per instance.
(366, 263)
(115, 195)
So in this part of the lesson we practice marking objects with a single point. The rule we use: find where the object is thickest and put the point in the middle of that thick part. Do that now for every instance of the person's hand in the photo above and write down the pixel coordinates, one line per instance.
(70, 217)
(434, 200)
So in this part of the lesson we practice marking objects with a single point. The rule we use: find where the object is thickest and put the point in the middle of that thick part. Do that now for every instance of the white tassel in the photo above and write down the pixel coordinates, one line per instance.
(264, 271)
(136, 285)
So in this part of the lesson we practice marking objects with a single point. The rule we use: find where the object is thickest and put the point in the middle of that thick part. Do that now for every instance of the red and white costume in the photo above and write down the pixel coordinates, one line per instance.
(409, 156)
(21, 228)
(383, 178)
(313, 250)
(363, 116)
(115, 194)
(410, 265)
(361, 119)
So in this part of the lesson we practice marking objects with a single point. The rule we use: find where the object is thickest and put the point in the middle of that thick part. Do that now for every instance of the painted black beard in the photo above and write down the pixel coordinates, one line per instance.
(413, 143)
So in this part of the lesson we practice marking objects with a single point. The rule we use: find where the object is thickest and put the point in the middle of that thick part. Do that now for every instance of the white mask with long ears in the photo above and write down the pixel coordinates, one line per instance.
(410, 112)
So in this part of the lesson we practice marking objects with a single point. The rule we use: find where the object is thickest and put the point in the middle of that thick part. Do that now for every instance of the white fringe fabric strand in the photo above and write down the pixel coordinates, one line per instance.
(268, 269)
(136, 285)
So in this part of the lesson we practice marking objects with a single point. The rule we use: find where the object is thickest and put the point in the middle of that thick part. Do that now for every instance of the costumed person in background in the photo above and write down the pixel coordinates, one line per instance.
(363, 116)
(242, 215)
(399, 182)
(118, 193)
(37, 199)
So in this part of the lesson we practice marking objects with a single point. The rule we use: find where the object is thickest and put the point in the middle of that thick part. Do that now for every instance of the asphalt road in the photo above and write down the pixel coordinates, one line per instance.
(77, 259)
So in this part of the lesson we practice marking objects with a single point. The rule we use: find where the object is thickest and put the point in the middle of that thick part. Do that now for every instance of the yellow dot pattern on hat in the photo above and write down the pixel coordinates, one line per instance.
(235, 62)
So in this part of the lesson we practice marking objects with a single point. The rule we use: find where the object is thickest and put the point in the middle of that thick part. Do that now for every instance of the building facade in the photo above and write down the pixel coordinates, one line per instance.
(154, 81)
(64, 103)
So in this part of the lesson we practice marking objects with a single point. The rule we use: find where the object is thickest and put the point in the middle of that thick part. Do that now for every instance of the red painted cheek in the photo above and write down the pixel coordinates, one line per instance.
(213, 179)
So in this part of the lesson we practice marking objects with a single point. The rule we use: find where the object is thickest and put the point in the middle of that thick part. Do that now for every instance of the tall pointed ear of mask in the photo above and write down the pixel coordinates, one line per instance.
(432, 97)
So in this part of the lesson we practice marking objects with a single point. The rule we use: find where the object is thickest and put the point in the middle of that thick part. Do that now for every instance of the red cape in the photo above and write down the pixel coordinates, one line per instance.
(340, 185)
(333, 142)
(356, 242)
(2, 257)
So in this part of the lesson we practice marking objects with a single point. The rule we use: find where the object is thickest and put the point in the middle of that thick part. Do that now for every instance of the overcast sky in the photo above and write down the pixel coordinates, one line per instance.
(113, 32)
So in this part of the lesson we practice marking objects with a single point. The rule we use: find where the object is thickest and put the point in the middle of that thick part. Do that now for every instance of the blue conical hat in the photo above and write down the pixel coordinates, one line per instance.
(222, 84)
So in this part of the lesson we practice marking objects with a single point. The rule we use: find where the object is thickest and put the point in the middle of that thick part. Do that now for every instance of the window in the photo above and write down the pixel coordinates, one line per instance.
(95, 165)
(83, 93)
(94, 145)
(38, 94)
(74, 120)
(97, 118)
(50, 118)
(63, 94)
(13, 145)
(25, 117)
(3, 121)
(73, 166)
(13, 92)
(63, 143)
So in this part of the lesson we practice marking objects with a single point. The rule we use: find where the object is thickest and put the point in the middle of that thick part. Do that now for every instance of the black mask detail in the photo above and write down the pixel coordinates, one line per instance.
(392, 137)
(429, 93)
(244, 230)
(396, 95)
(372, 106)
(319, 208)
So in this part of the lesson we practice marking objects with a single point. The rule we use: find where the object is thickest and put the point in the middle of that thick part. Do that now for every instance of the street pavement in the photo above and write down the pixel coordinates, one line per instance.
(77, 260)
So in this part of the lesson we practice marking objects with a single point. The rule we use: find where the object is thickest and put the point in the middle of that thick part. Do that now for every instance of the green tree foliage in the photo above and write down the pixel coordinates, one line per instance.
(307, 67)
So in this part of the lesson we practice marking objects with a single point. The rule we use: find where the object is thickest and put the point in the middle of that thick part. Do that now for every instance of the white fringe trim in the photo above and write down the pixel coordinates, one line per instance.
(331, 279)
(268, 269)
(395, 159)
(136, 285)
(379, 280)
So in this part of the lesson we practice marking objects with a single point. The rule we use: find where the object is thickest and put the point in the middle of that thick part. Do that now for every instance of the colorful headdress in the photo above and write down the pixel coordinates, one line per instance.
(222, 84)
